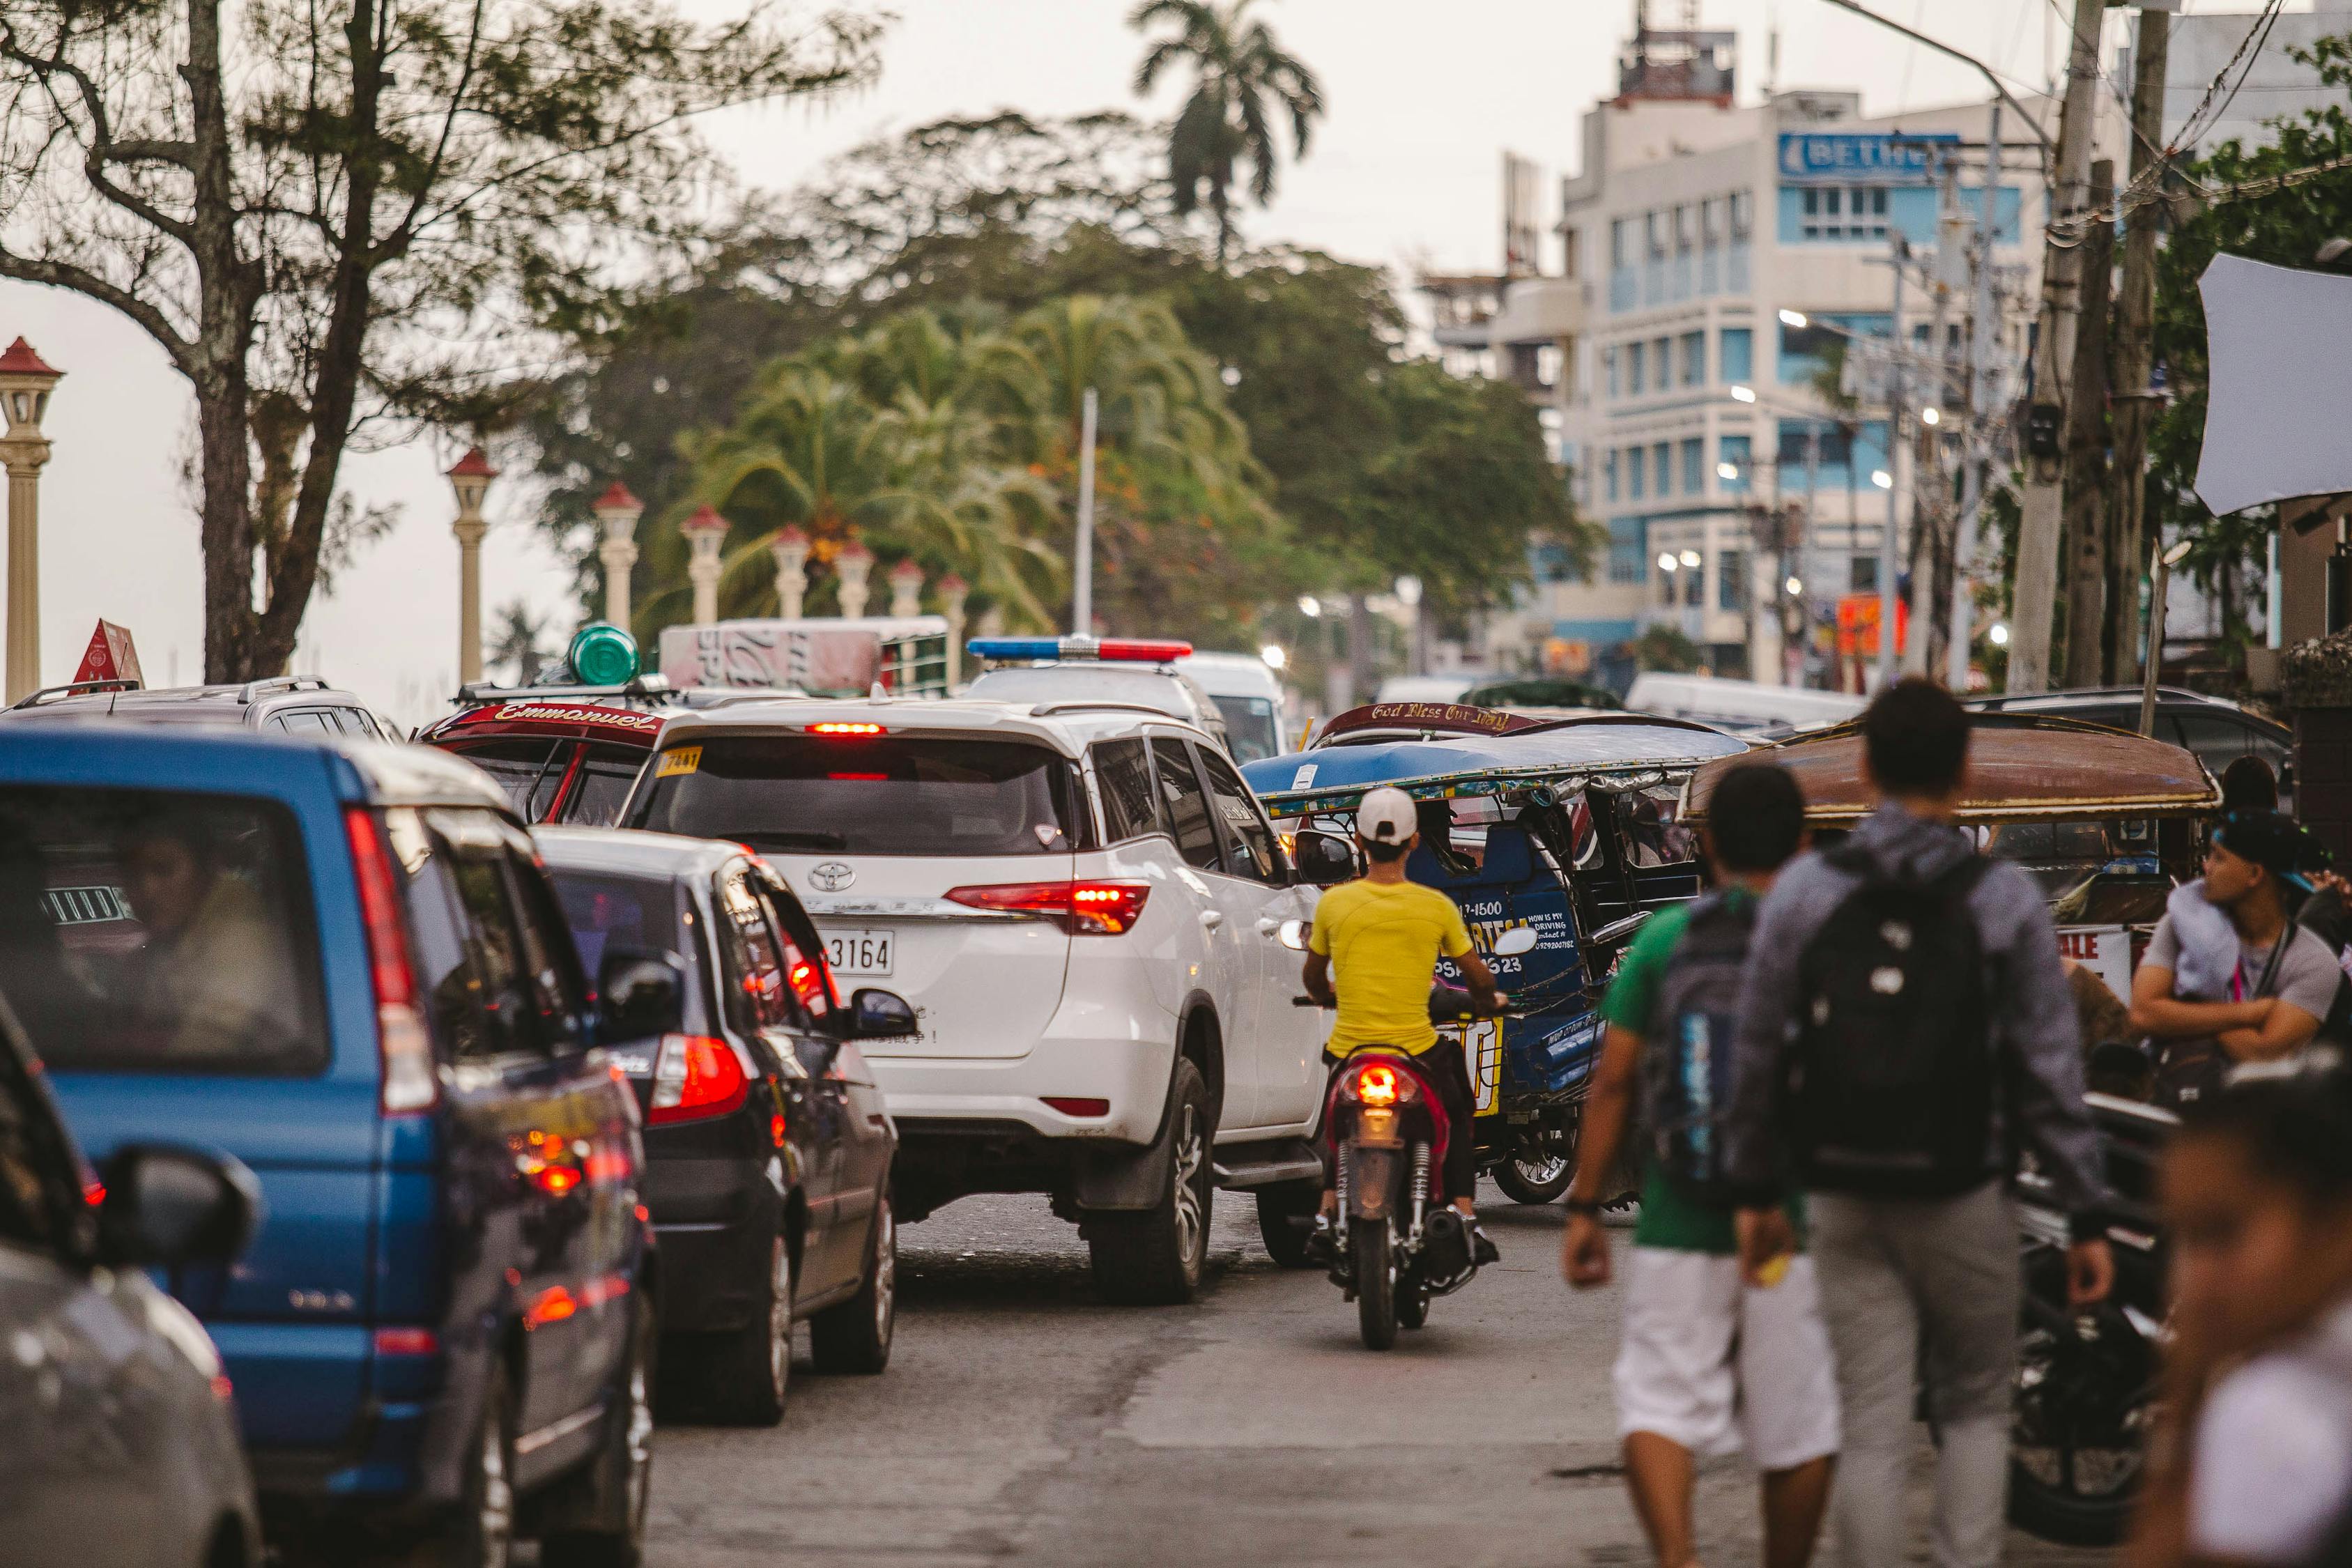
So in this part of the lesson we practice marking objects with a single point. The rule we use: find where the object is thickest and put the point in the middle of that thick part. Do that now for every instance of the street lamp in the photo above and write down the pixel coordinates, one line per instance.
(1666, 562)
(617, 512)
(1743, 395)
(1931, 417)
(789, 548)
(470, 479)
(1727, 473)
(25, 383)
(1796, 318)
(1882, 478)
(906, 587)
(1998, 635)
(705, 531)
(852, 565)
(1691, 558)
(1310, 606)
(1276, 659)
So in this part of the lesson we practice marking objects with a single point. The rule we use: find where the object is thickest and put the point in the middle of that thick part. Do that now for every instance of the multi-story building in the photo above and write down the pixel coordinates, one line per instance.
(1696, 233)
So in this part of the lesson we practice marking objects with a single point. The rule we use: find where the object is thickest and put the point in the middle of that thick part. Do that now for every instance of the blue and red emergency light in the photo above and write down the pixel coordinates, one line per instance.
(1134, 651)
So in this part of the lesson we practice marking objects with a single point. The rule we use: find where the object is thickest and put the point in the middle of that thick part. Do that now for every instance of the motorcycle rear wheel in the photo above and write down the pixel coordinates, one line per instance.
(1376, 1283)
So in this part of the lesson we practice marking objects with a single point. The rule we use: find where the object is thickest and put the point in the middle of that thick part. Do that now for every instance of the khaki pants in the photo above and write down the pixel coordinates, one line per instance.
(1900, 1275)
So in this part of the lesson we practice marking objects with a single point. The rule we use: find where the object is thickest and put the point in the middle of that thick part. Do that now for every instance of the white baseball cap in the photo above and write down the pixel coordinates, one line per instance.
(1386, 816)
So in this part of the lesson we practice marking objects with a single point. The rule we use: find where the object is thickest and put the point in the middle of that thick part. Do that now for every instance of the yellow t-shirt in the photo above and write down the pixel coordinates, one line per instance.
(1383, 940)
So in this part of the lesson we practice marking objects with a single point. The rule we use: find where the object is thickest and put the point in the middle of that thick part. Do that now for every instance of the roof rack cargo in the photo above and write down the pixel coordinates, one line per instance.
(270, 683)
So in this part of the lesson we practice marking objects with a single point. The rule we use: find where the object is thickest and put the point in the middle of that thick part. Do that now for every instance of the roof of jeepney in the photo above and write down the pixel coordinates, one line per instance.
(2022, 767)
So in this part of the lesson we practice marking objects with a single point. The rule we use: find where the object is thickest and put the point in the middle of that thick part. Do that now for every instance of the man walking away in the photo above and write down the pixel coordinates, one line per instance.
(1706, 1361)
(1906, 1026)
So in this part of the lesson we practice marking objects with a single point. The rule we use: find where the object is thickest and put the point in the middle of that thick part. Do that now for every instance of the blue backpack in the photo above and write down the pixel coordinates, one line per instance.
(1687, 1066)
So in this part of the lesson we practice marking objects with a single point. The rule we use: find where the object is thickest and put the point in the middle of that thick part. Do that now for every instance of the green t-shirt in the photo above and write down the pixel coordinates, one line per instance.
(1671, 1217)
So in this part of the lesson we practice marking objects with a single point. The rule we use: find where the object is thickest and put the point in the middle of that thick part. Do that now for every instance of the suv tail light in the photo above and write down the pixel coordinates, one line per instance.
(410, 1083)
(695, 1076)
(1083, 909)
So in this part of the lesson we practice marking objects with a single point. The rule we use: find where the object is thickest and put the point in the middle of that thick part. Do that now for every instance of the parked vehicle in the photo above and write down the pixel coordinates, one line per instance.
(1567, 826)
(1093, 672)
(1742, 706)
(768, 1147)
(119, 1445)
(1427, 687)
(1545, 693)
(1083, 905)
(1248, 698)
(1395, 1248)
(342, 963)
(2216, 729)
(286, 704)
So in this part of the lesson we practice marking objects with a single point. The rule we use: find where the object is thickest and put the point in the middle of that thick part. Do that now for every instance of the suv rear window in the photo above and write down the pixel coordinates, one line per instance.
(870, 795)
(153, 930)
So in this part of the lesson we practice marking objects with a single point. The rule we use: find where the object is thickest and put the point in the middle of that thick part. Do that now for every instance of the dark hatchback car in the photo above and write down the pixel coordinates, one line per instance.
(768, 1146)
(286, 704)
(117, 1430)
(2216, 729)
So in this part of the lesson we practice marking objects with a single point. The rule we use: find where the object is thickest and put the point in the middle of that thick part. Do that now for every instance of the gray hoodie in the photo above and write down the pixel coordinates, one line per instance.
(2033, 1017)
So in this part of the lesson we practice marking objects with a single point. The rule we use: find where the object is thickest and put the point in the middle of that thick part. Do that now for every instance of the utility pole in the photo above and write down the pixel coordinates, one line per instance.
(1984, 335)
(2036, 593)
(2136, 348)
(1928, 538)
(2085, 510)
(1082, 597)
(1888, 618)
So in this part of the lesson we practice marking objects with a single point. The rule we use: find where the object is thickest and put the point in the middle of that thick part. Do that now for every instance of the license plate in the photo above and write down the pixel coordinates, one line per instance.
(860, 953)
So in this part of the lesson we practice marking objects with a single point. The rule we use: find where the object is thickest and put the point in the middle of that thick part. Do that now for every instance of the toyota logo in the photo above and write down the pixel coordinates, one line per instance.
(830, 877)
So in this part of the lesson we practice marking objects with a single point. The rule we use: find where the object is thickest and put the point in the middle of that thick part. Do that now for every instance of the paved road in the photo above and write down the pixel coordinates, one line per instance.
(1021, 1421)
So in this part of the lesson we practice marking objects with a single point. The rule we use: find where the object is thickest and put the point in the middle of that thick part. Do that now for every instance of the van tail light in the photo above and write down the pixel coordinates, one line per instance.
(695, 1076)
(410, 1084)
(1081, 908)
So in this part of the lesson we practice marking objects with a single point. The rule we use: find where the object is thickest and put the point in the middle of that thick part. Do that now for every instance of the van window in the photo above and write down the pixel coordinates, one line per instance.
(159, 931)
(1123, 772)
(1187, 809)
(877, 794)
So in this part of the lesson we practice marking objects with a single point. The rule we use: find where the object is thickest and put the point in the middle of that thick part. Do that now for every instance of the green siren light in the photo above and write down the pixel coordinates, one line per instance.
(602, 654)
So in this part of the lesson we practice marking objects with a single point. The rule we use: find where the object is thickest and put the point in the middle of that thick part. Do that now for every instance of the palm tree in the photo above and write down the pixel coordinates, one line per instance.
(1237, 66)
(514, 640)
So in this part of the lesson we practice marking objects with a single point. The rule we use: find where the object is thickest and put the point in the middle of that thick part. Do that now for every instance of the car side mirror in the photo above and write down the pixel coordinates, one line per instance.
(1515, 940)
(172, 1207)
(1323, 858)
(640, 994)
(879, 1015)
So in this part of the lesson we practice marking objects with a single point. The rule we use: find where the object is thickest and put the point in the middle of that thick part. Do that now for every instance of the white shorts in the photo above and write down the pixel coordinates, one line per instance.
(1712, 1363)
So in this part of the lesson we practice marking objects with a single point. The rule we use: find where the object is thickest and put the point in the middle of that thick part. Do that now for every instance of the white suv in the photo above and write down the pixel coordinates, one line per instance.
(1085, 905)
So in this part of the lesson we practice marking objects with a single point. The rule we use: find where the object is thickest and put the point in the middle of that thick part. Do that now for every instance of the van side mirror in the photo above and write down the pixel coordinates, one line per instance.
(1323, 858)
(640, 994)
(879, 1015)
(1515, 940)
(173, 1207)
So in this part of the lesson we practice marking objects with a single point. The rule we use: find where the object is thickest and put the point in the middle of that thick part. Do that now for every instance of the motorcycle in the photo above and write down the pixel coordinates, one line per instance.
(1385, 1134)
(2087, 1383)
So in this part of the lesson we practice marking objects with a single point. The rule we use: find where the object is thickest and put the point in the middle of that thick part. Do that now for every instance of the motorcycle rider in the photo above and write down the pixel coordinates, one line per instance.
(1374, 954)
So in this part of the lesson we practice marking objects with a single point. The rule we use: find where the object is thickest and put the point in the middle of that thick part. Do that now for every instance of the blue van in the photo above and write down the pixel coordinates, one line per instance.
(342, 963)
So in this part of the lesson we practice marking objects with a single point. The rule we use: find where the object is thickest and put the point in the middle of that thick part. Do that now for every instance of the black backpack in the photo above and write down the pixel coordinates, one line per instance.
(1890, 1084)
(1687, 1066)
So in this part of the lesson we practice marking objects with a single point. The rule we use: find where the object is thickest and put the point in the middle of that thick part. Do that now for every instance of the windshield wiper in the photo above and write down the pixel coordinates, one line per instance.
(795, 840)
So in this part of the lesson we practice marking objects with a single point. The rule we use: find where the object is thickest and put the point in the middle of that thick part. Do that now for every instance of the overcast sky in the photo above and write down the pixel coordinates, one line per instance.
(1424, 95)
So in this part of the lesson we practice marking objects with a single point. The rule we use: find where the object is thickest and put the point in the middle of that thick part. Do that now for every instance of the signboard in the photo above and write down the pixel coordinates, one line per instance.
(110, 656)
(1857, 625)
(822, 658)
(2105, 951)
(1860, 158)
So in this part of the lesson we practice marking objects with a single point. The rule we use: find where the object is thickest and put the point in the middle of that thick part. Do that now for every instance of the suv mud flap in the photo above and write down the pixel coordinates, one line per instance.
(1123, 1176)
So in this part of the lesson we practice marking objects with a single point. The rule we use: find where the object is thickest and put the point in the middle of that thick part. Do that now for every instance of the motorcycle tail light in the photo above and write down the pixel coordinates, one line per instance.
(695, 1076)
(1379, 1083)
(1081, 908)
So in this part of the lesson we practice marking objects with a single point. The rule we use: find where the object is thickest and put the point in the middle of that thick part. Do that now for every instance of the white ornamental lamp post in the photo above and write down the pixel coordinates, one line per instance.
(705, 531)
(906, 589)
(24, 383)
(617, 512)
(855, 564)
(790, 549)
(953, 592)
(470, 479)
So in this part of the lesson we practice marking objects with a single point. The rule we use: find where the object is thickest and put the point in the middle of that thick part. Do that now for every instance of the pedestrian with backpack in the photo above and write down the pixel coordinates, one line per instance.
(1707, 1362)
(1905, 1032)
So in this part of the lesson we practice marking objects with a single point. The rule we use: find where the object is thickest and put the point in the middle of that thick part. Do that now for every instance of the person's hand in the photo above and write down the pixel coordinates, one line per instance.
(2090, 1273)
(1764, 1234)
(1584, 1252)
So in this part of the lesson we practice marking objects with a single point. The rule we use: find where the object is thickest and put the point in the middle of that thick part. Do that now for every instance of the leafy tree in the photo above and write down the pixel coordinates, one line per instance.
(1237, 66)
(337, 217)
(1663, 648)
(515, 640)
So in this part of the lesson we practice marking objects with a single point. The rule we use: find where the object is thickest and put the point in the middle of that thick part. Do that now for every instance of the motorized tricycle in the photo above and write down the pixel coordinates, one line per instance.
(1565, 824)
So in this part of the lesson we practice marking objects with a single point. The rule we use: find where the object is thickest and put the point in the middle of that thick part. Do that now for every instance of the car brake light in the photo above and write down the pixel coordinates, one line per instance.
(410, 1083)
(1083, 909)
(407, 1342)
(1069, 1105)
(844, 729)
(695, 1076)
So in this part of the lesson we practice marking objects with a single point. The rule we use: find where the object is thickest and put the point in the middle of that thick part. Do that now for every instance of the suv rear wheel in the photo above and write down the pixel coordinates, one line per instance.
(854, 1337)
(746, 1375)
(1155, 1256)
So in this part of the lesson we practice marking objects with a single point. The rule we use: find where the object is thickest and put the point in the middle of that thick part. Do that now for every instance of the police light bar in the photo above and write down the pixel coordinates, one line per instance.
(1128, 650)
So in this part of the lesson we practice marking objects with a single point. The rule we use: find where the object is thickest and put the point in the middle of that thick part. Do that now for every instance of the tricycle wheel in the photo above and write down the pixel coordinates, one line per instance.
(1535, 1173)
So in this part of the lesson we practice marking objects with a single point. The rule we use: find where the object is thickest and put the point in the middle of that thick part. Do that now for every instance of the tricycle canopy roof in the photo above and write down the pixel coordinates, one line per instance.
(2022, 768)
(1614, 751)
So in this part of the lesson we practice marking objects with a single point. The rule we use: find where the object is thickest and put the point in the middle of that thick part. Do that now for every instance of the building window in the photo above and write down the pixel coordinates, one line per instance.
(1738, 353)
(1735, 452)
(1843, 212)
(1620, 244)
(1547, 364)
(1629, 557)
(1655, 232)
(1694, 470)
(1805, 349)
(1637, 474)
(1743, 215)
(1694, 359)
(1609, 370)
(1662, 356)
(1635, 354)
(1662, 459)
(1609, 473)
(1730, 580)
